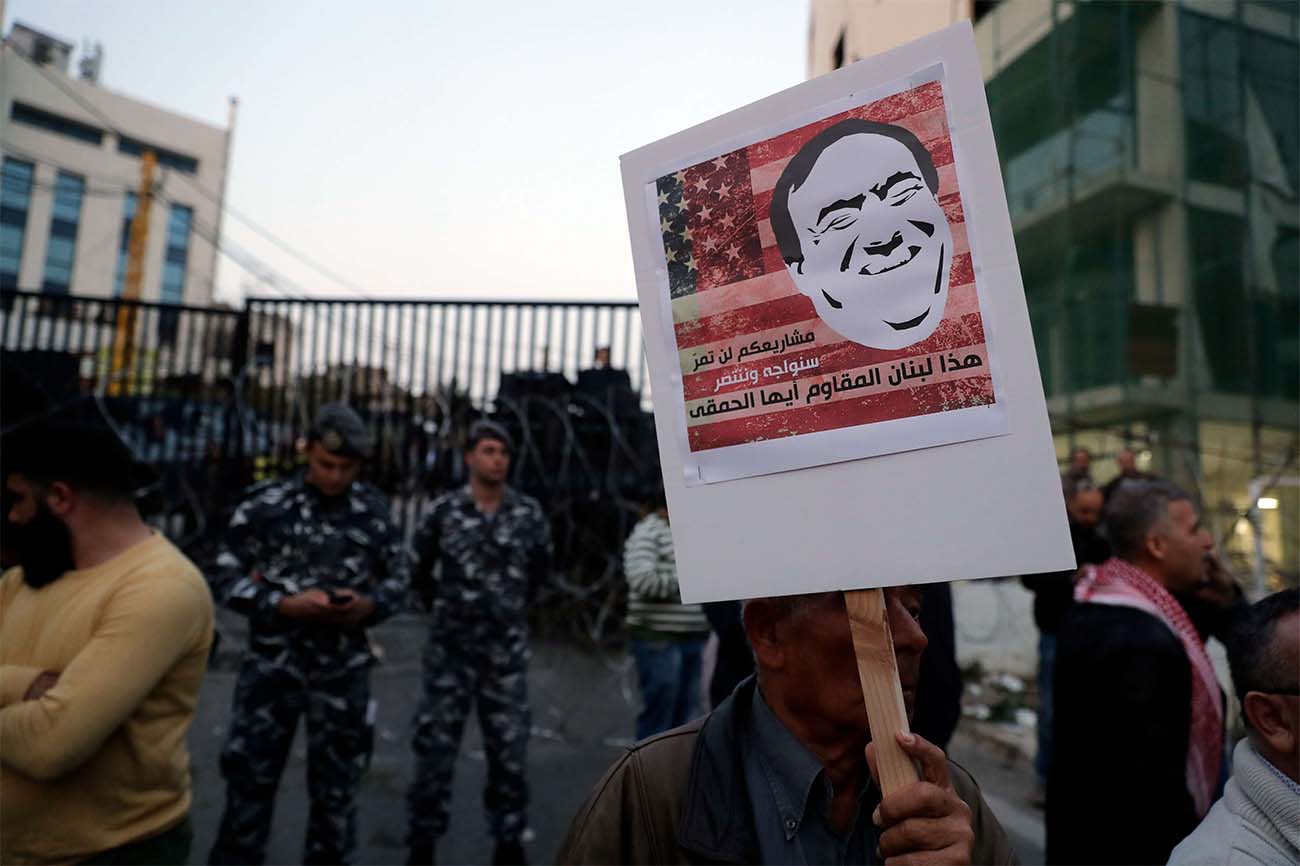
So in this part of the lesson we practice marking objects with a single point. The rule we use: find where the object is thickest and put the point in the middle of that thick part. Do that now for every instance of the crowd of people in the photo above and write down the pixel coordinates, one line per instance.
(1131, 711)
(106, 630)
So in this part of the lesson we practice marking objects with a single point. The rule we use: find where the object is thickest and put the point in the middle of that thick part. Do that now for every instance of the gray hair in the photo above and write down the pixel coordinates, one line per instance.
(788, 607)
(1134, 508)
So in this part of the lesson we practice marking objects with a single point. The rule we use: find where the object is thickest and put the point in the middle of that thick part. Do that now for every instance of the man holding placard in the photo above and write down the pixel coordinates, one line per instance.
(828, 276)
(776, 774)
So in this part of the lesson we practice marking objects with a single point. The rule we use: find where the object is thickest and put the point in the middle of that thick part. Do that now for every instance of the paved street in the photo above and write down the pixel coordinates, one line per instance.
(583, 707)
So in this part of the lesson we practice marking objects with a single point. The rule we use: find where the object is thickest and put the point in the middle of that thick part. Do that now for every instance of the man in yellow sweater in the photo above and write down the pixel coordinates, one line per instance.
(105, 629)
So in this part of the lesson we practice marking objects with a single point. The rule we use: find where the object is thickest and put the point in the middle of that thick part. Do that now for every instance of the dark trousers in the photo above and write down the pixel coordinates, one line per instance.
(1046, 674)
(165, 848)
(267, 705)
(669, 673)
(460, 672)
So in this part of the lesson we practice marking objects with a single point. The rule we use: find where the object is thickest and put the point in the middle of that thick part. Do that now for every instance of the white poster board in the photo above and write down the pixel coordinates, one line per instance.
(845, 386)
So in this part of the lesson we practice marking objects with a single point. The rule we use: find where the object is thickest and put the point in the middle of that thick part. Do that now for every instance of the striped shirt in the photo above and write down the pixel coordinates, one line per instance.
(654, 605)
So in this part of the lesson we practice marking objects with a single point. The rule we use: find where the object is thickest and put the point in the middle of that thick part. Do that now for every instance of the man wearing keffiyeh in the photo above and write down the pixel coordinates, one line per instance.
(1139, 713)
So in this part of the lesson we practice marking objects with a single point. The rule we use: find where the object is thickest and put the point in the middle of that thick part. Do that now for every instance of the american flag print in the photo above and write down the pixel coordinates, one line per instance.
(757, 361)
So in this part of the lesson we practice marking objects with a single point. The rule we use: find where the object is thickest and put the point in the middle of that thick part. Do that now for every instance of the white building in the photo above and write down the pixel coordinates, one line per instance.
(71, 168)
(845, 31)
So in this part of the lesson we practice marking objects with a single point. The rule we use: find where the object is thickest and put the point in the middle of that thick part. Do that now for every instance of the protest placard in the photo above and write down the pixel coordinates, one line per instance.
(821, 285)
(844, 378)
(845, 386)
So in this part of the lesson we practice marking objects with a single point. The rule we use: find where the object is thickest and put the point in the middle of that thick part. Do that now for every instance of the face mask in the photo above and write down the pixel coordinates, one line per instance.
(43, 546)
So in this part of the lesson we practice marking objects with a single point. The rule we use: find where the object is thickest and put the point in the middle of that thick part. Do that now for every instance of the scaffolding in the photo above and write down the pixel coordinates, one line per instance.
(1160, 324)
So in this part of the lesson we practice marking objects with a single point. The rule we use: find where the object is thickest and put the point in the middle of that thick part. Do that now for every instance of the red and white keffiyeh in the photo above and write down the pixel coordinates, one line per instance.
(1122, 584)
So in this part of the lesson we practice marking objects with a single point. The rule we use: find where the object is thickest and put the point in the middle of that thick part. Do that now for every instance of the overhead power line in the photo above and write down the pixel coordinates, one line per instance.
(110, 125)
(266, 275)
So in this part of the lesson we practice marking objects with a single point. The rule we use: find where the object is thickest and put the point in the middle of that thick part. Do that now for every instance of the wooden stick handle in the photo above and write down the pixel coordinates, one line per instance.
(878, 671)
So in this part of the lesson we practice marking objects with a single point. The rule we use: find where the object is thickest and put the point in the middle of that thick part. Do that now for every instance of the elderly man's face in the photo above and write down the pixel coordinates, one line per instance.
(876, 245)
(820, 679)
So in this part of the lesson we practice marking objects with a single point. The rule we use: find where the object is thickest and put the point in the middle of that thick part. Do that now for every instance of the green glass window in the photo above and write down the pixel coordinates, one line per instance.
(1078, 305)
(1241, 96)
(1212, 100)
(1065, 106)
(15, 200)
(60, 250)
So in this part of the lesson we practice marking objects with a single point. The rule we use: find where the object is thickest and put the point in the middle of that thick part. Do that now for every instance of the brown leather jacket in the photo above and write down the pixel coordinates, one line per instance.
(680, 797)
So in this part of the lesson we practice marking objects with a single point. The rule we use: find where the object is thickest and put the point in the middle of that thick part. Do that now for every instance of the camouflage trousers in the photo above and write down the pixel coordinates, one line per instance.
(492, 674)
(268, 701)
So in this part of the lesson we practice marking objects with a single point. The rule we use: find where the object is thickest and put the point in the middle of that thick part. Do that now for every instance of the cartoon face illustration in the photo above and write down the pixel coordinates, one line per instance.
(857, 218)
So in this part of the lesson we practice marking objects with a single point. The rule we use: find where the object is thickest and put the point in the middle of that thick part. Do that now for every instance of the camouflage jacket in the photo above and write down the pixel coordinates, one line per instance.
(488, 566)
(287, 538)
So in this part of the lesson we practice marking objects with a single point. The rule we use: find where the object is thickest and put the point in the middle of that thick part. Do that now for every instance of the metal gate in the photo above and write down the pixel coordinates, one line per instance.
(217, 399)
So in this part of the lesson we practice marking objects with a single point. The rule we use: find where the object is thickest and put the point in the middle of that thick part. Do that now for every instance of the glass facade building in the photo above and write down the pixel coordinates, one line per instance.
(61, 248)
(15, 200)
(177, 252)
(71, 151)
(1150, 155)
(175, 258)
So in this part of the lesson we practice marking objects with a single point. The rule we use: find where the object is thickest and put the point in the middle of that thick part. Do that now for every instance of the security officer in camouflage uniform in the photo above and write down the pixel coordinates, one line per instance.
(311, 561)
(492, 548)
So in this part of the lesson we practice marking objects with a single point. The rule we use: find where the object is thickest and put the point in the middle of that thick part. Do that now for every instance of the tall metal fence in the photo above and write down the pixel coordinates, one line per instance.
(217, 399)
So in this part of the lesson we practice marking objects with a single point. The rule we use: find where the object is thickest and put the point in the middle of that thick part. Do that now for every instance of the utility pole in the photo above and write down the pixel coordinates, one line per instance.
(221, 193)
(124, 339)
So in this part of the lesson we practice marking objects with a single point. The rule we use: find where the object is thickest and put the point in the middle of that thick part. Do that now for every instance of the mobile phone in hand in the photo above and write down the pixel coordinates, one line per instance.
(336, 598)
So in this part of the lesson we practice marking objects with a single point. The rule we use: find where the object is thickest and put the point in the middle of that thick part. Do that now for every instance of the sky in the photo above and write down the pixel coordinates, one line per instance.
(438, 149)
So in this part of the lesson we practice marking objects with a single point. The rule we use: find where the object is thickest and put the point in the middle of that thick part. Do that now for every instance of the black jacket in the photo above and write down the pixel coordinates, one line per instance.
(938, 691)
(1054, 591)
(1123, 695)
